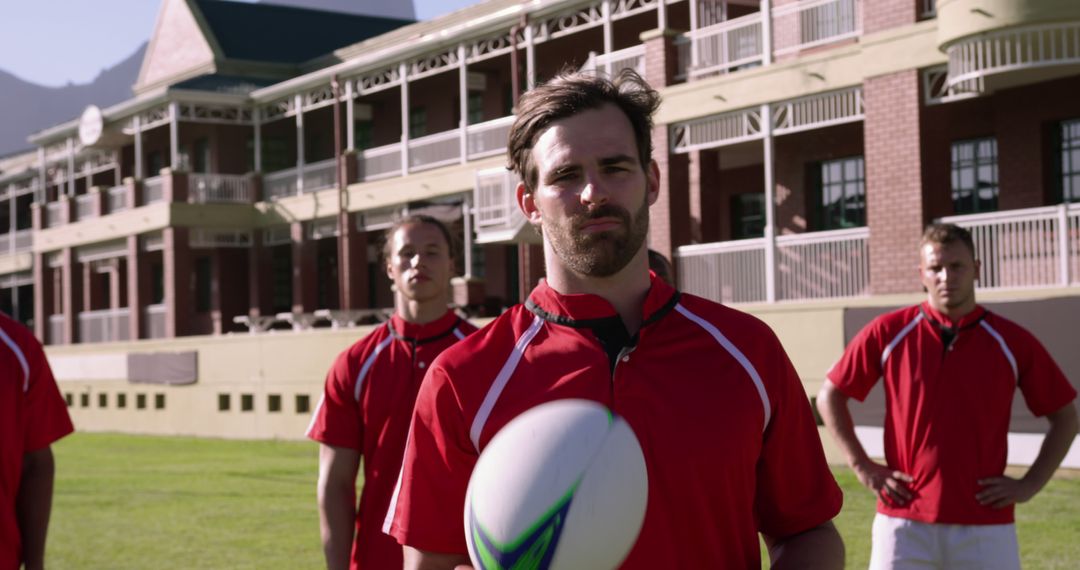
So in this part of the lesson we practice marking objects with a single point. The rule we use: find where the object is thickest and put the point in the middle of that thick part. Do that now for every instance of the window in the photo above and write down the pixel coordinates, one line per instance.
(224, 402)
(159, 401)
(201, 163)
(140, 401)
(417, 122)
(281, 271)
(748, 215)
(247, 402)
(203, 277)
(303, 403)
(273, 403)
(476, 107)
(103, 400)
(841, 194)
(275, 154)
(1069, 161)
(974, 176)
(84, 400)
(157, 283)
(154, 163)
(364, 134)
(121, 401)
(70, 399)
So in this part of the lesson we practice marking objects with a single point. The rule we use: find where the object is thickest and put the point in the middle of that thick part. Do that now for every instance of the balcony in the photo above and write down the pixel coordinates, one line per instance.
(153, 190)
(1034, 247)
(433, 151)
(612, 63)
(815, 265)
(55, 330)
(106, 325)
(85, 207)
(488, 138)
(496, 215)
(54, 214)
(316, 176)
(812, 23)
(154, 319)
(723, 47)
(219, 188)
(17, 242)
(117, 199)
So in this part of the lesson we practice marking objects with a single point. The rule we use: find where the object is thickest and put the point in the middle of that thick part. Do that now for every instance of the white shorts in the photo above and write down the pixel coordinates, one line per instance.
(903, 544)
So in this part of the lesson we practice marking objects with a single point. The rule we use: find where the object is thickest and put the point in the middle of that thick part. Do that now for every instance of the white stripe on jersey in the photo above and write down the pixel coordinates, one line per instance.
(1004, 348)
(899, 337)
(367, 366)
(501, 380)
(18, 356)
(737, 354)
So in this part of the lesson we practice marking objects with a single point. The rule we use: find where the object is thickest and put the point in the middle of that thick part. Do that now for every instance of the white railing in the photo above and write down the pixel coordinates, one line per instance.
(1046, 45)
(153, 190)
(810, 23)
(612, 63)
(320, 175)
(488, 138)
(154, 319)
(280, 184)
(24, 240)
(106, 325)
(432, 151)
(380, 162)
(1034, 247)
(84, 207)
(54, 214)
(206, 188)
(725, 46)
(5, 244)
(55, 334)
(117, 198)
(815, 265)
(495, 212)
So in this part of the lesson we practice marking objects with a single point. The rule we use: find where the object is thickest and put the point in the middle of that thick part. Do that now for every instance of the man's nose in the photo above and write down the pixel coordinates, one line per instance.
(594, 192)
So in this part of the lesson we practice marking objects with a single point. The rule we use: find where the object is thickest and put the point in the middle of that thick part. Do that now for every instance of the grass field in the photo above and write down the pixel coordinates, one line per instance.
(161, 502)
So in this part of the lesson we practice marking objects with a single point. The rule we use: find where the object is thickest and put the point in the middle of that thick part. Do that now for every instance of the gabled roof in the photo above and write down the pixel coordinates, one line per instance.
(284, 34)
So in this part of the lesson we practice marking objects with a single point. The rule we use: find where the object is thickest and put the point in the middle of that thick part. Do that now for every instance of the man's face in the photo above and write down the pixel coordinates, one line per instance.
(592, 196)
(948, 272)
(419, 262)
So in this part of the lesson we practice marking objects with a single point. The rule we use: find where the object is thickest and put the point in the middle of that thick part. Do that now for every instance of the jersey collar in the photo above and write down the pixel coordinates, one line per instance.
(582, 310)
(942, 320)
(427, 332)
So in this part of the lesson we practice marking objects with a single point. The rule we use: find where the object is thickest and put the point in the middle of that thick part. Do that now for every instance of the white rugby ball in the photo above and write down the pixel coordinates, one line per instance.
(562, 486)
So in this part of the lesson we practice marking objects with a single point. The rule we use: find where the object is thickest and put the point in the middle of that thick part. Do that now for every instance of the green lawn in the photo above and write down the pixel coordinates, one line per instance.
(163, 502)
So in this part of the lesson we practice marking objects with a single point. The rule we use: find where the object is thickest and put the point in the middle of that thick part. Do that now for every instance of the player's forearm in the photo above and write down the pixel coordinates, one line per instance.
(833, 407)
(34, 504)
(1063, 428)
(427, 560)
(337, 523)
(818, 548)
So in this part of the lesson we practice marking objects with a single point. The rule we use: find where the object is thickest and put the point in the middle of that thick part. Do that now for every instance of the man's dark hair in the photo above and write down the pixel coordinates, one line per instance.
(947, 233)
(570, 93)
(388, 235)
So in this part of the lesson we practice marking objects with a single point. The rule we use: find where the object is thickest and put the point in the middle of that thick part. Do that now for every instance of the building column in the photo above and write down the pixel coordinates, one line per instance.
(463, 105)
(669, 217)
(304, 270)
(769, 151)
(43, 293)
(137, 124)
(894, 201)
(174, 135)
(353, 265)
(176, 257)
(137, 297)
(217, 326)
(71, 294)
(299, 102)
(403, 72)
(70, 167)
(704, 174)
(256, 125)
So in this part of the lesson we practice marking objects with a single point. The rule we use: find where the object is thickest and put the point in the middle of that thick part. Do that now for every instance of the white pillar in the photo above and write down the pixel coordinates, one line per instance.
(466, 215)
(530, 58)
(766, 32)
(463, 96)
(605, 10)
(117, 179)
(403, 71)
(1063, 245)
(137, 123)
(770, 203)
(350, 116)
(661, 14)
(256, 123)
(174, 135)
(42, 181)
(694, 25)
(299, 102)
(71, 166)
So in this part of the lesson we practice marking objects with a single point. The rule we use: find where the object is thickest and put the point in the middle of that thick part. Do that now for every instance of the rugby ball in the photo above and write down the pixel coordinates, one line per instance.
(562, 486)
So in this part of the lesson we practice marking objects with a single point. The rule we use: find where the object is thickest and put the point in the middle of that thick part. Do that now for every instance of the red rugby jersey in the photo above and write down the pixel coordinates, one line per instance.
(722, 418)
(947, 408)
(366, 406)
(32, 416)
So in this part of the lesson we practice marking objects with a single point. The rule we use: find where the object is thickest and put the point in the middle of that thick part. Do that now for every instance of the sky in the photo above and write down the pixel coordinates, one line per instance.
(56, 42)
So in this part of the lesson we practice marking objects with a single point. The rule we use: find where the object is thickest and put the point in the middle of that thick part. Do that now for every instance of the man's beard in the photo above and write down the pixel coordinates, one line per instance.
(600, 254)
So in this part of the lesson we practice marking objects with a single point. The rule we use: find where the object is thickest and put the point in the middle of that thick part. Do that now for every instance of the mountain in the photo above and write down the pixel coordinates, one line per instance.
(26, 108)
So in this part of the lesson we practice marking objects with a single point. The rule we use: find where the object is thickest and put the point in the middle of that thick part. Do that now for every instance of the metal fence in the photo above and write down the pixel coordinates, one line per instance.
(207, 188)
(117, 198)
(153, 190)
(106, 325)
(1034, 247)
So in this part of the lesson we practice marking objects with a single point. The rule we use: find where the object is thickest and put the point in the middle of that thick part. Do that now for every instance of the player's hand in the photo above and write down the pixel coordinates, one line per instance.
(463, 567)
(889, 484)
(1000, 492)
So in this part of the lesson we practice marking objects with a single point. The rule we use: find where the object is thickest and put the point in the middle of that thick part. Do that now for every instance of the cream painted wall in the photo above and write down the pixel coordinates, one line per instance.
(958, 19)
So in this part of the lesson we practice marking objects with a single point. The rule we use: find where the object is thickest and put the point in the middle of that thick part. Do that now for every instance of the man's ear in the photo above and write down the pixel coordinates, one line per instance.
(527, 203)
(652, 178)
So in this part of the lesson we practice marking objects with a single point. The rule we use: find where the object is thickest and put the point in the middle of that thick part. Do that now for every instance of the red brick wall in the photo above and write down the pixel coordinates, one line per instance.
(795, 155)
(881, 15)
(732, 181)
(893, 180)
